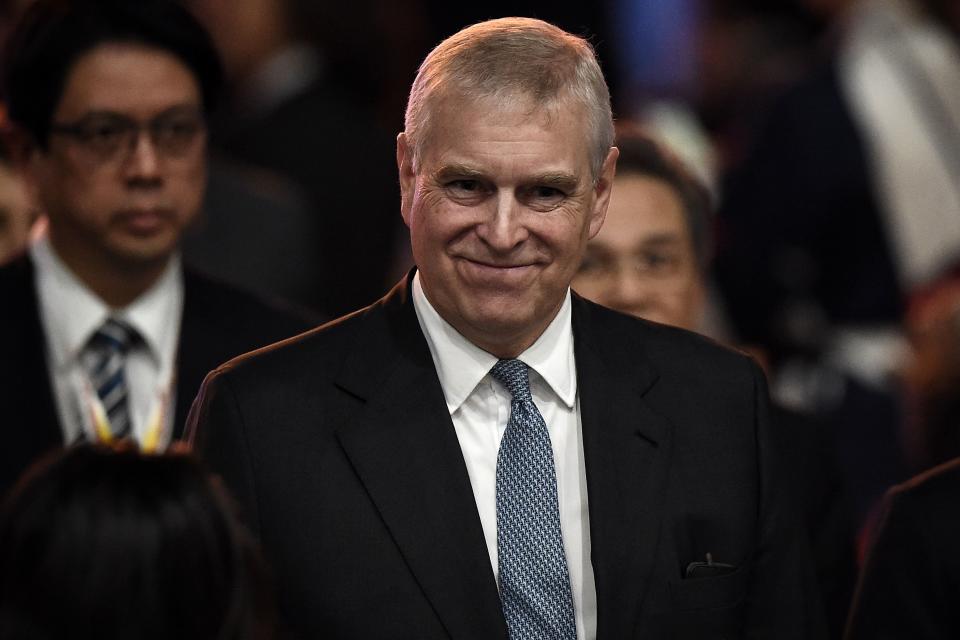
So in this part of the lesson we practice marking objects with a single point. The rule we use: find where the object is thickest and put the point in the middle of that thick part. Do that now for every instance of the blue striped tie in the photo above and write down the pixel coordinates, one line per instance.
(105, 360)
(534, 582)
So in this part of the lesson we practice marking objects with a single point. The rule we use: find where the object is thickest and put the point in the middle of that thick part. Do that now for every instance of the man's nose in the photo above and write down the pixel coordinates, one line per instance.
(142, 161)
(629, 292)
(504, 228)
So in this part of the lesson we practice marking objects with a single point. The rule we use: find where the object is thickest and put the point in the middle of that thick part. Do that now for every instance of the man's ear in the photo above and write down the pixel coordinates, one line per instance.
(601, 191)
(26, 156)
(407, 175)
(20, 144)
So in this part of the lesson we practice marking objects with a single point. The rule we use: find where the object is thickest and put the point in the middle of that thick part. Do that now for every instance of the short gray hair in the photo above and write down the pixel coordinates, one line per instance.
(508, 58)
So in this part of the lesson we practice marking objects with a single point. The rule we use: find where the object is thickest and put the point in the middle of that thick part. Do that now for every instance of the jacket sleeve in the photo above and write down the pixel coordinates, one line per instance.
(216, 434)
(904, 590)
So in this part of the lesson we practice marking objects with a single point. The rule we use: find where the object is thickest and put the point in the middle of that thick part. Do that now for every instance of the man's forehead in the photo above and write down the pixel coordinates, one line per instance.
(644, 210)
(489, 134)
(448, 106)
(640, 239)
(122, 76)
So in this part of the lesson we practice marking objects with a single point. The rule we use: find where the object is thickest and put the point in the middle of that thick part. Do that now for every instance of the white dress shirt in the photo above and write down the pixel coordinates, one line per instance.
(480, 408)
(71, 313)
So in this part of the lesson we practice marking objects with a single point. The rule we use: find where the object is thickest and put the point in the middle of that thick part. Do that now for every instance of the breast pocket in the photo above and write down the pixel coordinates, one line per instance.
(709, 593)
(708, 608)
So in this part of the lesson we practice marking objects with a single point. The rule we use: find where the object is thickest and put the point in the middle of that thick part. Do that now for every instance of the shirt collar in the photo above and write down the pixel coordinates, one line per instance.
(461, 365)
(72, 312)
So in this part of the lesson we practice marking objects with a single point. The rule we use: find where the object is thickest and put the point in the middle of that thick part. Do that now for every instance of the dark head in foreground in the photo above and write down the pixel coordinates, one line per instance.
(117, 544)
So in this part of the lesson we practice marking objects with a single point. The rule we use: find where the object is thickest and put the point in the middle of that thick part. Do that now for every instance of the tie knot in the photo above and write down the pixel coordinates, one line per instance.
(114, 335)
(515, 376)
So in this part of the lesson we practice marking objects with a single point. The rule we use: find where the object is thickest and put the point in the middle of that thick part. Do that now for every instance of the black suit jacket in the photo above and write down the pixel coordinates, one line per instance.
(218, 323)
(910, 585)
(339, 447)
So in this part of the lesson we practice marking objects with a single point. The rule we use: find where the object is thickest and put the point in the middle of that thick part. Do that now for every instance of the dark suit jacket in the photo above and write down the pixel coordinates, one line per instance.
(218, 323)
(339, 447)
(910, 585)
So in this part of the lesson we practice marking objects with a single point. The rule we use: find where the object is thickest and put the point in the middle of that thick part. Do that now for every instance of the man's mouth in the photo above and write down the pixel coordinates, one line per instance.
(499, 272)
(145, 220)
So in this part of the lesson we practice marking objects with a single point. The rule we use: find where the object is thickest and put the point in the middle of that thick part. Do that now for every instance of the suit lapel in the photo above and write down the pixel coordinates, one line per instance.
(627, 452)
(405, 450)
(192, 362)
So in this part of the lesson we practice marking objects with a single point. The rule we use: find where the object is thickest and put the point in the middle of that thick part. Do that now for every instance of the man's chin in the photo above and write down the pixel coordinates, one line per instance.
(143, 253)
(504, 325)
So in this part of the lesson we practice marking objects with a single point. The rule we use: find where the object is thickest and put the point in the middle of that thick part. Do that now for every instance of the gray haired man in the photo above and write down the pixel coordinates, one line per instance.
(482, 453)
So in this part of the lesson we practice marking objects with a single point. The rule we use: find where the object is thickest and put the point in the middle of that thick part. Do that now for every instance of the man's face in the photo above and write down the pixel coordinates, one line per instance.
(643, 262)
(500, 211)
(124, 203)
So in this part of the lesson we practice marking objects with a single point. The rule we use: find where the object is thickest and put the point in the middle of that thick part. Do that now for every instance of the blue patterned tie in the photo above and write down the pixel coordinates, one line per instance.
(105, 360)
(534, 583)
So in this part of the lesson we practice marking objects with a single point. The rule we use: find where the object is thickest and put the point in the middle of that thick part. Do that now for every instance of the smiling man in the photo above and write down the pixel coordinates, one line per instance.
(106, 335)
(481, 453)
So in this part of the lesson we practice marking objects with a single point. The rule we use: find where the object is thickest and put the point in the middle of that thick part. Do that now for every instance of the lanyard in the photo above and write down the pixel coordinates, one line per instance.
(153, 436)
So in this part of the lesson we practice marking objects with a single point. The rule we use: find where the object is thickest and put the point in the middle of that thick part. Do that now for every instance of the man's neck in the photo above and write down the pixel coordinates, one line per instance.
(117, 285)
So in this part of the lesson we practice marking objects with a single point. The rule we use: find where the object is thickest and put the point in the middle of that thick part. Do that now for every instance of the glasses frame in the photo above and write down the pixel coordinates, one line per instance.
(158, 129)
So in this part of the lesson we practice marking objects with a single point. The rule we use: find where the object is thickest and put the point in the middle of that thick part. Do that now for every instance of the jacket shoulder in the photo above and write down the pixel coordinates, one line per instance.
(231, 314)
(931, 493)
(313, 354)
(669, 349)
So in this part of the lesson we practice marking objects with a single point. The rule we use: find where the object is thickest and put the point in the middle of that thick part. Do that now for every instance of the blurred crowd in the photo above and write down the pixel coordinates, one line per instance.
(789, 184)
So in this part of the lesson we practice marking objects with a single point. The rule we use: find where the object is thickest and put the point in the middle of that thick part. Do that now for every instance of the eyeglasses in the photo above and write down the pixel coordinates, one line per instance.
(650, 264)
(106, 135)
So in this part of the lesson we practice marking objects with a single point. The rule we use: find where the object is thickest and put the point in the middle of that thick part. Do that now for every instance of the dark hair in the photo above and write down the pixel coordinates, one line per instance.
(100, 543)
(946, 11)
(642, 155)
(53, 34)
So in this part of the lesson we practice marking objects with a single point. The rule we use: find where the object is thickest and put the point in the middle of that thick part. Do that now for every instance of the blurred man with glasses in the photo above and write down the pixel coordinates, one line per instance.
(651, 256)
(105, 335)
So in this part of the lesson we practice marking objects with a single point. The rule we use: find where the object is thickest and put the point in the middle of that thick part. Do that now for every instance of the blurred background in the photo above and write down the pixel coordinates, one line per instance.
(317, 91)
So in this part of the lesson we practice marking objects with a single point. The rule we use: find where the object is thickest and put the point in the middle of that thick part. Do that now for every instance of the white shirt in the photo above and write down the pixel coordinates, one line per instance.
(480, 407)
(71, 313)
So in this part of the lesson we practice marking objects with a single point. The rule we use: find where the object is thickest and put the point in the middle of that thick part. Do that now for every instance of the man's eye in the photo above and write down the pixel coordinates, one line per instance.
(464, 186)
(544, 198)
(597, 265)
(176, 132)
(589, 264)
(179, 127)
(465, 190)
(658, 262)
(547, 192)
(103, 133)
